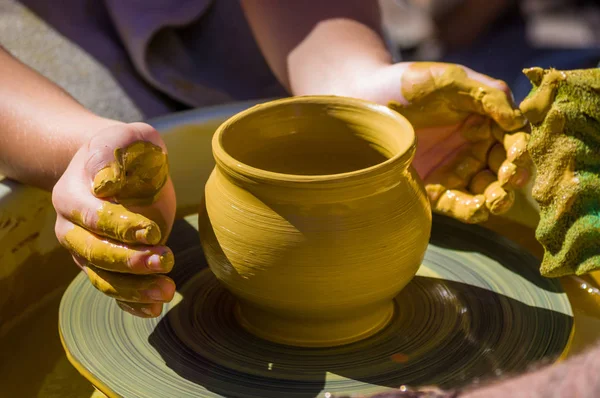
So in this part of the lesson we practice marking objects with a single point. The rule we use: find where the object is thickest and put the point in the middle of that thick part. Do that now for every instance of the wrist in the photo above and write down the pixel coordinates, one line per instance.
(82, 126)
(381, 85)
(89, 125)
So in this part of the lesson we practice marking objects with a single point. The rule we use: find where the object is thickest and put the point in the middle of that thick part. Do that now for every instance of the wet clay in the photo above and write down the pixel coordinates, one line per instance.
(443, 95)
(457, 204)
(115, 256)
(114, 221)
(564, 110)
(446, 91)
(498, 200)
(136, 176)
(314, 218)
(136, 288)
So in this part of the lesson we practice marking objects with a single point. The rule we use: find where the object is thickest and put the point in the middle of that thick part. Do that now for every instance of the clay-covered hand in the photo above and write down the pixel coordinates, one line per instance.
(116, 206)
(472, 144)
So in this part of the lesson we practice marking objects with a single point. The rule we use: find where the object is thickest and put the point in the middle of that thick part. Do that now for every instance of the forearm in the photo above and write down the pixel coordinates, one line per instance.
(42, 126)
(319, 47)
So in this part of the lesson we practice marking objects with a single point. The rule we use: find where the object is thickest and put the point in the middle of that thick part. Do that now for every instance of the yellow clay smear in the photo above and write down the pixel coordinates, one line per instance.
(537, 106)
(118, 223)
(138, 173)
(125, 287)
(497, 199)
(110, 255)
(457, 204)
(446, 91)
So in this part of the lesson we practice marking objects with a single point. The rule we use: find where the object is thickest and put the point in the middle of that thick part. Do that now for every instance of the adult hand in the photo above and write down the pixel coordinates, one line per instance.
(472, 144)
(116, 205)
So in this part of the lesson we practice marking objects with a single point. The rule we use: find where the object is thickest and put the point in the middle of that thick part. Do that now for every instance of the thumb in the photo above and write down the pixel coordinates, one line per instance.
(127, 161)
(499, 103)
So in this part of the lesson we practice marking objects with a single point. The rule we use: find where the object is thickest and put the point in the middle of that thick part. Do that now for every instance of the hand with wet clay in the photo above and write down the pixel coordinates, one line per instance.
(471, 139)
(116, 206)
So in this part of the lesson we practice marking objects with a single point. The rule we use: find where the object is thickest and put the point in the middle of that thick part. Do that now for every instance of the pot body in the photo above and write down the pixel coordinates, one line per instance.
(315, 258)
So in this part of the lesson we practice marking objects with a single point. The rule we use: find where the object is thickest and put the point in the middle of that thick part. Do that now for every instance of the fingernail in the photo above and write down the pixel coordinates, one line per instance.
(521, 178)
(161, 262)
(167, 288)
(133, 311)
(126, 307)
(153, 262)
(155, 294)
(149, 235)
(147, 311)
(168, 260)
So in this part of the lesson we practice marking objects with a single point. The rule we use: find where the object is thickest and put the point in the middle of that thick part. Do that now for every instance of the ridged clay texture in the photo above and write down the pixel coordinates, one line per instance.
(564, 110)
(314, 218)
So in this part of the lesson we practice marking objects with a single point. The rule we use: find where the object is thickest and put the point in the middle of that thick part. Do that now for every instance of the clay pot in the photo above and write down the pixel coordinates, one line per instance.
(314, 218)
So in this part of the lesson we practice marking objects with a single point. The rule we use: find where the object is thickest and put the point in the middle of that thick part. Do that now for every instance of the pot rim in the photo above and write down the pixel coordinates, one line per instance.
(403, 157)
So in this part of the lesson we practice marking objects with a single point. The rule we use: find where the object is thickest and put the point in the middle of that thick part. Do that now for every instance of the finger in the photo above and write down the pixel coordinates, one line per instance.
(466, 166)
(512, 176)
(516, 148)
(103, 218)
(494, 83)
(509, 174)
(481, 150)
(144, 289)
(519, 173)
(457, 204)
(497, 199)
(481, 181)
(429, 151)
(493, 97)
(456, 172)
(496, 157)
(141, 310)
(127, 161)
(477, 128)
(109, 255)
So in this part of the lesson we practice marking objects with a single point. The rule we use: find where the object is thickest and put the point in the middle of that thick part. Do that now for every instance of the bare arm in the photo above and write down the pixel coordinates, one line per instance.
(319, 47)
(42, 126)
(575, 378)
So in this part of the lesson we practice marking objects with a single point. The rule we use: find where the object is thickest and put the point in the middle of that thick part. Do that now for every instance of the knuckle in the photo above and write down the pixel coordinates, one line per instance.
(56, 190)
(133, 131)
(97, 159)
(134, 262)
(58, 231)
(145, 132)
(88, 217)
(502, 86)
(60, 192)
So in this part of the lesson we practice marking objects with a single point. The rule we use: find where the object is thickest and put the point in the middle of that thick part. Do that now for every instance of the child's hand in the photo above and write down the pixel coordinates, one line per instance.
(116, 206)
(471, 153)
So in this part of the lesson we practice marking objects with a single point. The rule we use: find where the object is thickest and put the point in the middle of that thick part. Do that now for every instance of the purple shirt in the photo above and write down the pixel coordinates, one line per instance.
(167, 54)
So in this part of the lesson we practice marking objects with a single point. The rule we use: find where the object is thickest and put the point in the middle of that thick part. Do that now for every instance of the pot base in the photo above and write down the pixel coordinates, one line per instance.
(302, 332)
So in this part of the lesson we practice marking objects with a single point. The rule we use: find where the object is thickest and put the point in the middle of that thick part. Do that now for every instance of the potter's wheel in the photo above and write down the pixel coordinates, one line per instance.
(476, 310)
